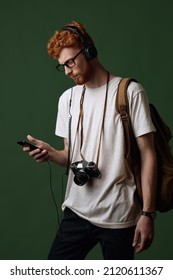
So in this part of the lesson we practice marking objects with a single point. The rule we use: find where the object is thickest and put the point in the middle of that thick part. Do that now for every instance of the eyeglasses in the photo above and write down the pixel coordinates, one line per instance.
(69, 63)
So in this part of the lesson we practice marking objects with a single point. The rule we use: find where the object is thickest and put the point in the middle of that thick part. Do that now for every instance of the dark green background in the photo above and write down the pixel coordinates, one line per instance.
(134, 38)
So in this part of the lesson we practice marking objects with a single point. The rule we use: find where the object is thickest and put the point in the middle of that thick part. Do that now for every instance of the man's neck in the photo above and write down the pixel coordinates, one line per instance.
(99, 77)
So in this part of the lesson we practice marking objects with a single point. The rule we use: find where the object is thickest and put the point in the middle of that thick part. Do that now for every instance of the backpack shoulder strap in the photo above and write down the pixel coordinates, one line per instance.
(122, 106)
(122, 100)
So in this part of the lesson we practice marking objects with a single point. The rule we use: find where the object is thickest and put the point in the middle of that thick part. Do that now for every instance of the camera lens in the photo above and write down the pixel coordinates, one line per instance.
(91, 164)
(80, 178)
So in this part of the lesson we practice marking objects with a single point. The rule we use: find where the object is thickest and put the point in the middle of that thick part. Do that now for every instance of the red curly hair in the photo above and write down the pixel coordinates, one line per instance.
(66, 39)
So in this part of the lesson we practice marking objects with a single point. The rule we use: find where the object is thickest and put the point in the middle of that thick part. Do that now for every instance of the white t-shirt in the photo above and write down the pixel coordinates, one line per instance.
(109, 201)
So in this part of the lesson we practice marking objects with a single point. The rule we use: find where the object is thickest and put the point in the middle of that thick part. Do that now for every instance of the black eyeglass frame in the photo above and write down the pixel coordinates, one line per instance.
(60, 67)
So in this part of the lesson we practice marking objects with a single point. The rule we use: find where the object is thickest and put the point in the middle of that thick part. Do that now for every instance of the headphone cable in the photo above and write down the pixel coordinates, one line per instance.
(52, 193)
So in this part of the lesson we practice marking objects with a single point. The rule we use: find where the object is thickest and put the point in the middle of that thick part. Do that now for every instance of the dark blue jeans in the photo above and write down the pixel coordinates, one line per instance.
(76, 237)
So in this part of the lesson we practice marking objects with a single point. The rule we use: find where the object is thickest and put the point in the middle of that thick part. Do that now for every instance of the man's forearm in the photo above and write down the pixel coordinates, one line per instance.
(149, 180)
(60, 157)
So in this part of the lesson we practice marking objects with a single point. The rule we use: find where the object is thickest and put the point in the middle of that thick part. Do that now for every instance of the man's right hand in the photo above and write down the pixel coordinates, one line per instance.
(46, 152)
(43, 153)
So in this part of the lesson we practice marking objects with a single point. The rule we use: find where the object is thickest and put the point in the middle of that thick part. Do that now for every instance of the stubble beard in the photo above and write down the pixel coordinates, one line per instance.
(83, 79)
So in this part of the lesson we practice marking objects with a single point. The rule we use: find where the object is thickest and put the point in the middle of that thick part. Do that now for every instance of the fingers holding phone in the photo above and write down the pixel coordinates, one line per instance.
(38, 154)
(37, 149)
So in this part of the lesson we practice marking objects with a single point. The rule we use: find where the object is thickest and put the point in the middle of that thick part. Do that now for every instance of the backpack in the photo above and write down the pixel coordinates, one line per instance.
(162, 137)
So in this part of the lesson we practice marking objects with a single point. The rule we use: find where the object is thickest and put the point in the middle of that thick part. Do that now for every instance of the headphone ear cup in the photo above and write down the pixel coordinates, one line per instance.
(90, 52)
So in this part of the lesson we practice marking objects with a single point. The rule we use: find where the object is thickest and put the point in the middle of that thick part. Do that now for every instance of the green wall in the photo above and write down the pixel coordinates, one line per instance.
(134, 38)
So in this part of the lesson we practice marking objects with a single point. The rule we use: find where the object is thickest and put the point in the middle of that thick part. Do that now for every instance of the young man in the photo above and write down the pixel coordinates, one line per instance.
(101, 205)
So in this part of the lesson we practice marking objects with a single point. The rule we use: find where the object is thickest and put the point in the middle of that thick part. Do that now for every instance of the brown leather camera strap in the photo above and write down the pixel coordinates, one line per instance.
(80, 120)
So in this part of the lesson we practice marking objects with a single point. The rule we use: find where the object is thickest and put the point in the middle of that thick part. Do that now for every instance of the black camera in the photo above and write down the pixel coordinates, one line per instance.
(83, 170)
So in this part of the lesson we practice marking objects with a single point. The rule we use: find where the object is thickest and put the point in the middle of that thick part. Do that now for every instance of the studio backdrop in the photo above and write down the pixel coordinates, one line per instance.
(133, 38)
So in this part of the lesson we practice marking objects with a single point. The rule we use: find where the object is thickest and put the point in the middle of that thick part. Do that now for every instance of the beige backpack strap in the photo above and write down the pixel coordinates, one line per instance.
(122, 106)
(122, 100)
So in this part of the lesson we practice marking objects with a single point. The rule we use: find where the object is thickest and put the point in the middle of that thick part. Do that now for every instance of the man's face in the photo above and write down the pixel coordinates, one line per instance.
(75, 64)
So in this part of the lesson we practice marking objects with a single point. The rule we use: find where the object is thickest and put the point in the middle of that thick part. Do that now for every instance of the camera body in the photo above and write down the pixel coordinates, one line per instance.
(83, 170)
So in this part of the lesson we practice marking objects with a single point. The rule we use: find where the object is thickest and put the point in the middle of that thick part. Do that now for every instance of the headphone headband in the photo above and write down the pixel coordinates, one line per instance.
(90, 50)
(77, 31)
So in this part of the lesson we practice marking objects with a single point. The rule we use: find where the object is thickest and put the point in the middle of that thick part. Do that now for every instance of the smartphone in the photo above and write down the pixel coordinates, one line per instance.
(27, 144)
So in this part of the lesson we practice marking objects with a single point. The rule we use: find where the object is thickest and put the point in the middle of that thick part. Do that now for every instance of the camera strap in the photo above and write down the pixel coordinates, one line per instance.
(69, 133)
(80, 120)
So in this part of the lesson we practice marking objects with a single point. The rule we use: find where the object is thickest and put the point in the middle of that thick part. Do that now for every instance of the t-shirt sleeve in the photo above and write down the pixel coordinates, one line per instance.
(61, 128)
(140, 110)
